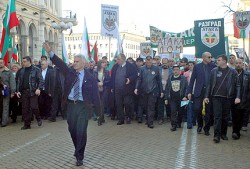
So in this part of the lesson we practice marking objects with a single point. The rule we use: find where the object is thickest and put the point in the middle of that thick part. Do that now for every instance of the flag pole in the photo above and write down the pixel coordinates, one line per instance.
(244, 52)
(109, 48)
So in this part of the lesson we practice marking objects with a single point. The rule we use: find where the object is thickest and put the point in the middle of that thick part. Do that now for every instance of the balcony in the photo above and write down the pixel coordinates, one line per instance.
(68, 16)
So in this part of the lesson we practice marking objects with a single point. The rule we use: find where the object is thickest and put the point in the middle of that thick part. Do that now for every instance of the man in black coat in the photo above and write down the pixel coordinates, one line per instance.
(149, 85)
(29, 85)
(123, 79)
(223, 89)
(80, 92)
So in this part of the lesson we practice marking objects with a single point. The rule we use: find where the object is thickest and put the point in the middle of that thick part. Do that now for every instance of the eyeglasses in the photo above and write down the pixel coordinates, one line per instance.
(157, 58)
(209, 57)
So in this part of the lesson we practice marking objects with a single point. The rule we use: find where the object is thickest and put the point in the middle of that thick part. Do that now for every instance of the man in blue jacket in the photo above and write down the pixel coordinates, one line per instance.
(80, 92)
(197, 86)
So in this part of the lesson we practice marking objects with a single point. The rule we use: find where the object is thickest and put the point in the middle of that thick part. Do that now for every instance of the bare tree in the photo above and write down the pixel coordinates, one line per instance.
(228, 7)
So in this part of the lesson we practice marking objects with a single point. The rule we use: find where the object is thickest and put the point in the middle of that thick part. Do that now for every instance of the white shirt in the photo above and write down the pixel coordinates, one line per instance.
(44, 73)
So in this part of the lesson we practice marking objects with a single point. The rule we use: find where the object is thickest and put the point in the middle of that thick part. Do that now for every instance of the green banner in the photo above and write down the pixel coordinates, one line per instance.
(209, 37)
(156, 35)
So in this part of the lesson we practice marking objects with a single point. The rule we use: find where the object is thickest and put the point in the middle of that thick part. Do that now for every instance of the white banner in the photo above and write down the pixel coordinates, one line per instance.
(145, 49)
(110, 15)
(171, 44)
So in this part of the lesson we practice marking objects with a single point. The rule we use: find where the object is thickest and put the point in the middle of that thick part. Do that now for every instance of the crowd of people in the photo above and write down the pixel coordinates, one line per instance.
(211, 93)
(152, 89)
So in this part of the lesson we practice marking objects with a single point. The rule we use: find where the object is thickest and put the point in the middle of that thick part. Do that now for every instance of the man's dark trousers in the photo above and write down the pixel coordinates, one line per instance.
(148, 101)
(77, 118)
(126, 100)
(221, 109)
(176, 112)
(29, 103)
(198, 105)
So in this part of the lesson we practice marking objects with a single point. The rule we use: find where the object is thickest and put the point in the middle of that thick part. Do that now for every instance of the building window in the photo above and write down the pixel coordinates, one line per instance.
(80, 46)
(74, 47)
(112, 54)
(69, 46)
(106, 46)
(100, 46)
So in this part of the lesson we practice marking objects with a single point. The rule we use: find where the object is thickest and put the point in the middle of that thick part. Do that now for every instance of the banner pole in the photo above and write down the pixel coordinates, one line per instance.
(244, 52)
(109, 47)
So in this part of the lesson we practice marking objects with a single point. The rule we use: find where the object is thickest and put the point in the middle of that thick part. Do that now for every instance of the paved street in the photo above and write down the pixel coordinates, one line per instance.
(110, 146)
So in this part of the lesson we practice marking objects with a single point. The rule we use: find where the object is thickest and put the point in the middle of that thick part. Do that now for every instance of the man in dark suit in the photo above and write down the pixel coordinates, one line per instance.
(124, 75)
(45, 98)
(197, 88)
(80, 92)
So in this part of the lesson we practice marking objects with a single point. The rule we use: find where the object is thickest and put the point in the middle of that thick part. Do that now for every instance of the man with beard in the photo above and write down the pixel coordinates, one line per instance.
(239, 109)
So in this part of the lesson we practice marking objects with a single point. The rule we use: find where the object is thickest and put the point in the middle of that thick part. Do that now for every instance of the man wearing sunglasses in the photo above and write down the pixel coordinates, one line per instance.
(197, 86)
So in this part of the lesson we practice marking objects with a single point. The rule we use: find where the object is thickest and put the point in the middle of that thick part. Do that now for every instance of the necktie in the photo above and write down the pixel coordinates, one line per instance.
(76, 88)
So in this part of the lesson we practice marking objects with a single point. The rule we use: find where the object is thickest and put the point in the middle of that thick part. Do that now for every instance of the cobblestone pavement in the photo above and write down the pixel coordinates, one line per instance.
(129, 146)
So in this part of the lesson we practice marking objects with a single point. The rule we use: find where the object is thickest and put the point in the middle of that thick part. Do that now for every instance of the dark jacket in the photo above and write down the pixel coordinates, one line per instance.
(149, 82)
(233, 85)
(183, 87)
(35, 80)
(131, 74)
(89, 87)
(245, 88)
(59, 80)
(49, 82)
(198, 78)
(106, 80)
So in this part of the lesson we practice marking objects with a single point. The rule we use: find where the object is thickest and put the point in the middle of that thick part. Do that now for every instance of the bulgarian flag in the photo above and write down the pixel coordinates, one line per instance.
(14, 54)
(94, 52)
(64, 51)
(85, 49)
(10, 21)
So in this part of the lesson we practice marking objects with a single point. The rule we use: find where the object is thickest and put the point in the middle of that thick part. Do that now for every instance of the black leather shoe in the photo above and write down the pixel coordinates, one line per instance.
(216, 139)
(206, 133)
(224, 137)
(235, 136)
(39, 122)
(120, 122)
(199, 129)
(173, 128)
(25, 127)
(79, 163)
(139, 120)
(151, 126)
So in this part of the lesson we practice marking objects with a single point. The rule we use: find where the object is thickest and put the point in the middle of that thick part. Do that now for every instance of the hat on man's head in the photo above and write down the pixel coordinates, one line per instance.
(176, 66)
(184, 59)
(149, 57)
(139, 60)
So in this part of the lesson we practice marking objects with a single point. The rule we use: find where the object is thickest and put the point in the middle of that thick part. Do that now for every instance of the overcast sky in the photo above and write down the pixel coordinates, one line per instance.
(168, 15)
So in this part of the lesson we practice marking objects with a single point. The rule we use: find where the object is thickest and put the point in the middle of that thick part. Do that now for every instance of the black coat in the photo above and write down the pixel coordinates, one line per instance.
(232, 84)
(35, 80)
(131, 74)
(49, 82)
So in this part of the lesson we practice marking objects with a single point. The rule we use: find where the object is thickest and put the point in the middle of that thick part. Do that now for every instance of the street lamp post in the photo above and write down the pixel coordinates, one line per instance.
(62, 26)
